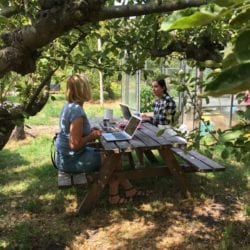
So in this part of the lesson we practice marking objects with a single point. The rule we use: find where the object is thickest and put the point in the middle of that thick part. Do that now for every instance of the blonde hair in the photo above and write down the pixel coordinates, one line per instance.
(78, 89)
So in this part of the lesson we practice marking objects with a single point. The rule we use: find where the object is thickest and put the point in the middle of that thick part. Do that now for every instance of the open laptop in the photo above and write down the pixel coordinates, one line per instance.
(125, 134)
(125, 111)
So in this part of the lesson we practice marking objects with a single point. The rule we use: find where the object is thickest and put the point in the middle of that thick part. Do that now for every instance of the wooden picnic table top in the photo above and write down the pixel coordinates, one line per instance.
(145, 138)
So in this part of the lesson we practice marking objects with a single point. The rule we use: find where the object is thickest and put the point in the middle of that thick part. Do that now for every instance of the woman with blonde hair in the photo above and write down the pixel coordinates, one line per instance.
(73, 155)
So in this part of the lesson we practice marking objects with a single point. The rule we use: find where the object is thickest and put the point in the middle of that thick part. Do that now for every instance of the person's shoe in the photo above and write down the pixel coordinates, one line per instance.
(79, 179)
(137, 193)
(116, 199)
(64, 180)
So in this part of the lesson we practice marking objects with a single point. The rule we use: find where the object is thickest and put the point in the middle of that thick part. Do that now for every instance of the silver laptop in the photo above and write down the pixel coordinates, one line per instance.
(125, 134)
(125, 111)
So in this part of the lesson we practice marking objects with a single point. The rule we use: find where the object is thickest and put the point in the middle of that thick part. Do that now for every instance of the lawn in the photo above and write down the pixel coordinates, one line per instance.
(35, 214)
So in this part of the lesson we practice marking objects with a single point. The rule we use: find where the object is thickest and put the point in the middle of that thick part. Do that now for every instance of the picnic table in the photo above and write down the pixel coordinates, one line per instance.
(145, 139)
(169, 145)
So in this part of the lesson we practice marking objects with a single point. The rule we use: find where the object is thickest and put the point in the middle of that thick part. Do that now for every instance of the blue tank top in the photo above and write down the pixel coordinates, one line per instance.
(69, 113)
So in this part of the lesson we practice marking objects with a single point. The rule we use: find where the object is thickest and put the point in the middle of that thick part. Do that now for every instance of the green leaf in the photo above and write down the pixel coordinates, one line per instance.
(242, 46)
(3, 19)
(192, 18)
(225, 154)
(229, 61)
(242, 17)
(247, 114)
(160, 132)
(231, 136)
(230, 81)
(208, 140)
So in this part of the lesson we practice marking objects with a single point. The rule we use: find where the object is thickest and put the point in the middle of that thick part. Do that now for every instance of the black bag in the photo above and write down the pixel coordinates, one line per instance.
(53, 152)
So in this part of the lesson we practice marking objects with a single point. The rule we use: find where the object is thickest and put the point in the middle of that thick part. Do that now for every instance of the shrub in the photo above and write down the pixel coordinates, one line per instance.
(146, 99)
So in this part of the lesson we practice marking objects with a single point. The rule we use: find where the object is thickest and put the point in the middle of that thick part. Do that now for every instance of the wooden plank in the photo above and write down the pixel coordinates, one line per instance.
(137, 143)
(109, 146)
(169, 135)
(147, 140)
(131, 159)
(214, 165)
(199, 165)
(173, 138)
(124, 146)
(152, 134)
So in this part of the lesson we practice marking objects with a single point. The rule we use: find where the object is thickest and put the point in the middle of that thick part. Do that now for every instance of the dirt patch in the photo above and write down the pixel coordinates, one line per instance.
(31, 133)
(38, 130)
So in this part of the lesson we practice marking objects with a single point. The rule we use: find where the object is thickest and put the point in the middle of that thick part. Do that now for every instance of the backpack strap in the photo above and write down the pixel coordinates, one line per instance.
(53, 152)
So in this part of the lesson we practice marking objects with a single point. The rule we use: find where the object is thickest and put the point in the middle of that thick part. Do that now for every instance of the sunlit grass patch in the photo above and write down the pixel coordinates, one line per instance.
(16, 187)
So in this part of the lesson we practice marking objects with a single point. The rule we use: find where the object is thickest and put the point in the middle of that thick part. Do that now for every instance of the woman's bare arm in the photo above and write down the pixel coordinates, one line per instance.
(76, 138)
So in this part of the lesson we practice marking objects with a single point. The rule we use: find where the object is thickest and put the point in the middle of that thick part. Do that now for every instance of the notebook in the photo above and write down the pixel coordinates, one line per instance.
(125, 111)
(125, 134)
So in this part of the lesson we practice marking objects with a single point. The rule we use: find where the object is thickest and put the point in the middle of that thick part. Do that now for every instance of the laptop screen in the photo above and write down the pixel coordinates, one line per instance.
(125, 111)
(132, 125)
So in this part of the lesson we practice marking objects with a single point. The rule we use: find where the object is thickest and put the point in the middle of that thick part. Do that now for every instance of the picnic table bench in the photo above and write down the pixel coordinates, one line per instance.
(199, 162)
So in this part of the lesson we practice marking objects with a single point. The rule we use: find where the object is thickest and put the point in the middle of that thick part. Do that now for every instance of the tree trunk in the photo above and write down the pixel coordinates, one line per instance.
(19, 133)
(9, 117)
(99, 44)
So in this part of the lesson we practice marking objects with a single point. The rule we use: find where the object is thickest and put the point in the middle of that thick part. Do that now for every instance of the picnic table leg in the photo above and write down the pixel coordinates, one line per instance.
(176, 171)
(96, 188)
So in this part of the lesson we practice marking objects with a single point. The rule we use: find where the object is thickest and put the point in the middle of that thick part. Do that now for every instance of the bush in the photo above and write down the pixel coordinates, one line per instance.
(146, 99)
(96, 94)
(116, 89)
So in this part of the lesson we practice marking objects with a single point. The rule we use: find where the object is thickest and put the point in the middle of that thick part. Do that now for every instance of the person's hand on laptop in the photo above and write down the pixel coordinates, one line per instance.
(95, 128)
(145, 117)
(95, 133)
(121, 126)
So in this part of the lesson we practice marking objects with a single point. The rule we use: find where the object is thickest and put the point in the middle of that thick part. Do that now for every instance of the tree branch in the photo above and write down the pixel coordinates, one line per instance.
(145, 9)
(192, 51)
(19, 53)
(31, 106)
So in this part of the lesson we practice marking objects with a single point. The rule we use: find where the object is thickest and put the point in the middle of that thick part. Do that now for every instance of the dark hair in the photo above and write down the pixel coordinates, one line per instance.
(162, 83)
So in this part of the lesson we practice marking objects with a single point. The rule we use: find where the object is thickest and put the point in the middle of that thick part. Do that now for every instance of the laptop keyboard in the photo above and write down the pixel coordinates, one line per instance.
(119, 136)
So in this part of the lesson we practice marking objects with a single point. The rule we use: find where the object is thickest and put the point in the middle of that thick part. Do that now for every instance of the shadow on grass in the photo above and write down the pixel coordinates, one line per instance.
(42, 217)
(9, 160)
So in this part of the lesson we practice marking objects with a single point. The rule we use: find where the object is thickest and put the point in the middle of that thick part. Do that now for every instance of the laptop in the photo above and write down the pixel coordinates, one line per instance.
(125, 134)
(125, 111)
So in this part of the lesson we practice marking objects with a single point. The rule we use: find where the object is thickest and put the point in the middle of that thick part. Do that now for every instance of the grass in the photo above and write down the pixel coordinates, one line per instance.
(50, 113)
(35, 214)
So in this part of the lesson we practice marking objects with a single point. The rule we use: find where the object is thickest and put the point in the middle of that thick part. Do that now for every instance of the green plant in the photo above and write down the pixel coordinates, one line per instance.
(146, 99)
(116, 89)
